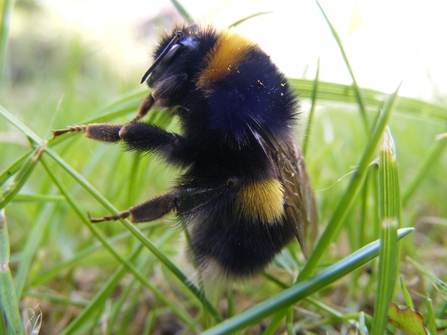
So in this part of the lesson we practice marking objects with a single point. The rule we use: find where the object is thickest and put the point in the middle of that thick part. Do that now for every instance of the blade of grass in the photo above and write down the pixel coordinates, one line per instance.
(146, 264)
(406, 294)
(55, 271)
(136, 233)
(348, 197)
(389, 196)
(275, 323)
(440, 285)
(431, 322)
(238, 22)
(336, 315)
(39, 198)
(13, 168)
(301, 290)
(9, 306)
(20, 125)
(129, 266)
(183, 12)
(374, 99)
(312, 111)
(5, 22)
(82, 322)
(183, 278)
(31, 245)
(363, 330)
(422, 173)
(289, 322)
(355, 86)
(21, 176)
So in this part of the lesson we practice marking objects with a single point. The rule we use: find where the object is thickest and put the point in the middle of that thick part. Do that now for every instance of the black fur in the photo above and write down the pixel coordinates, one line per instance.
(218, 147)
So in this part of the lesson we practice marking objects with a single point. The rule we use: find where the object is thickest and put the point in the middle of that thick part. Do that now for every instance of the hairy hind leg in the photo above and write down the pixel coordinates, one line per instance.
(146, 211)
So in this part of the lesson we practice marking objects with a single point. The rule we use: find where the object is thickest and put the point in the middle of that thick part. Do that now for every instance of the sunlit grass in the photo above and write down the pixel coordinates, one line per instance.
(132, 278)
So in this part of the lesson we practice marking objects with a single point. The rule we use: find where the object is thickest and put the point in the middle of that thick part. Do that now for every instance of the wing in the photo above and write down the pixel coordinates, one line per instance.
(300, 206)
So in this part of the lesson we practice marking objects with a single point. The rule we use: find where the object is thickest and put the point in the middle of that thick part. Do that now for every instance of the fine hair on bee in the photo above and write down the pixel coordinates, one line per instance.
(245, 192)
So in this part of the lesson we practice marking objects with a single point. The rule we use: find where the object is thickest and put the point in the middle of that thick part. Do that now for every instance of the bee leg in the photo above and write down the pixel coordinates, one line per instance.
(104, 132)
(146, 137)
(137, 136)
(144, 107)
(147, 211)
(107, 132)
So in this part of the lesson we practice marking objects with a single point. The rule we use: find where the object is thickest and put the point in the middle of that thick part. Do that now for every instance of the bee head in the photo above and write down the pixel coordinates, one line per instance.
(183, 41)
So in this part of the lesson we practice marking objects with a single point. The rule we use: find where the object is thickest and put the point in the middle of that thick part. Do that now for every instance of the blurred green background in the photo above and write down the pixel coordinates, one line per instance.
(54, 75)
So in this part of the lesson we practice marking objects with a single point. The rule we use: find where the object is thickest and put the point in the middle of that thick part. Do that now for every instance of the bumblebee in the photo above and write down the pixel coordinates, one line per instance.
(245, 193)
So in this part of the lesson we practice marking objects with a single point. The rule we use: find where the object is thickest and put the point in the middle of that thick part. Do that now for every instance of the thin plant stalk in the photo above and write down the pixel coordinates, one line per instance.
(389, 195)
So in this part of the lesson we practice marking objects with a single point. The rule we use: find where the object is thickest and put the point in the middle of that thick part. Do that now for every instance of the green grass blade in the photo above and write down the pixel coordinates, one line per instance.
(422, 173)
(134, 231)
(31, 246)
(98, 234)
(431, 324)
(183, 12)
(13, 168)
(406, 294)
(145, 263)
(312, 111)
(440, 285)
(9, 306)
(37, 198)
(21, 176)
(275, 323)
(301, 290)
(137, 233)
(19, 125)
(289, 322)
(82, 322)
(238, 22)
(6, 10)
(389, 196)
(374, 99)
(76, 259)
(355, 86)
(348, 197)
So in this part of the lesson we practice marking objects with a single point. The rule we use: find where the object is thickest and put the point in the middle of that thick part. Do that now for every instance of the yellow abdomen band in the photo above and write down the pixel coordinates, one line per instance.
(260, 201)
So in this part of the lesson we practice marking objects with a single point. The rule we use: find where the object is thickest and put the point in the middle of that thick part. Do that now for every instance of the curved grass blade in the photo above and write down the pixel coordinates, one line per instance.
(183, 12)
(440, 285)
(374, 99)
(128, 265)
(82, 323)
(13, 168)
(301, 290)
(135, 232)
(21, 176)
(408, 301)
(20, 125)
(31, 246)
(433, 156)
(312, 110)
(238, 22)
(9, 306)
(355, 86)
(76, 259)
(348, 197)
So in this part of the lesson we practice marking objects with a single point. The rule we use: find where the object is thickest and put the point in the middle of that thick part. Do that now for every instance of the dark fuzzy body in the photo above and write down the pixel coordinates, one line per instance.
(245, 193)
